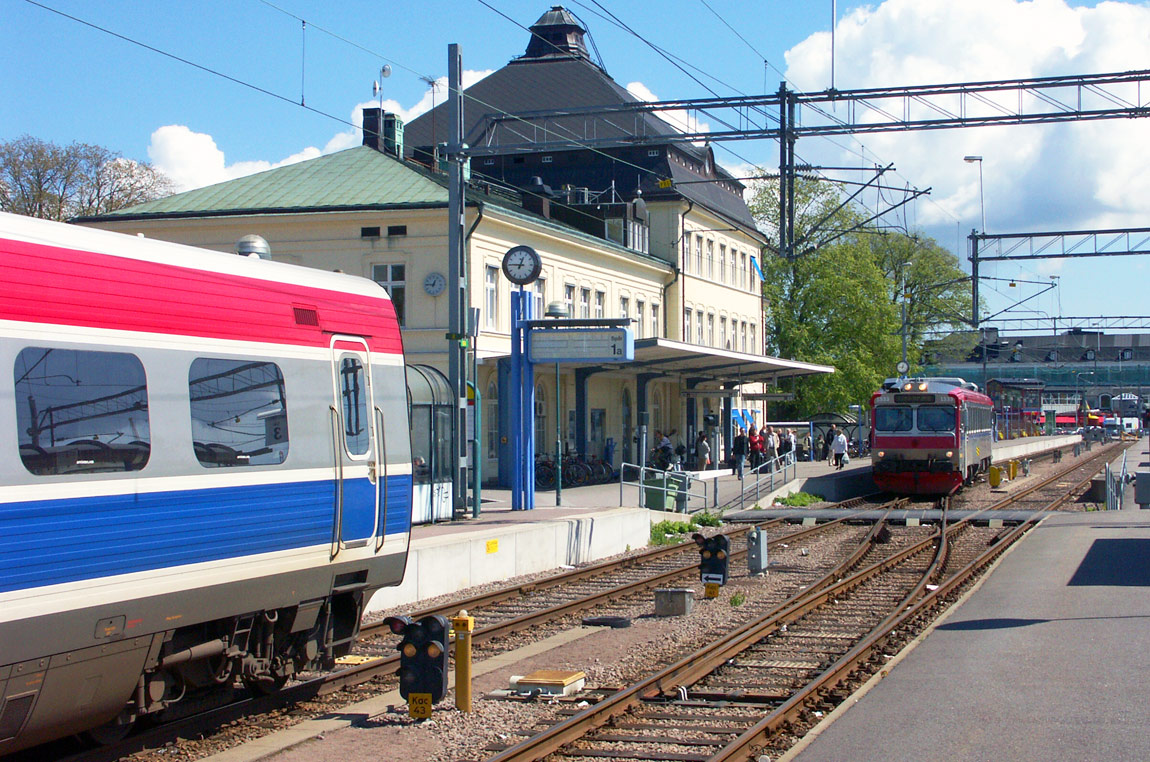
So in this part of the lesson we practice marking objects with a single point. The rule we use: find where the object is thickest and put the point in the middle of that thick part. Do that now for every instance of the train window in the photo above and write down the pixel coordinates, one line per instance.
(935, 418)
(893, 418)
(239, 412)
(353, 394)
(421, 437)
(81, 412)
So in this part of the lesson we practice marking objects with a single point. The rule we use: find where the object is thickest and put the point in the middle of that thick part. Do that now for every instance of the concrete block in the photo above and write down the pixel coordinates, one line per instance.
(913, 522)
(995, 523)
(674, 601)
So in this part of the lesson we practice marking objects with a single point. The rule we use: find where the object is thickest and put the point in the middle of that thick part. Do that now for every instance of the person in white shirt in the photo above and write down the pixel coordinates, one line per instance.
(839, 448)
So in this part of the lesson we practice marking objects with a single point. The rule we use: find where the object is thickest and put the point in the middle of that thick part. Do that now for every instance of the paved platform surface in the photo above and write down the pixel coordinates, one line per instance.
(1047, 660)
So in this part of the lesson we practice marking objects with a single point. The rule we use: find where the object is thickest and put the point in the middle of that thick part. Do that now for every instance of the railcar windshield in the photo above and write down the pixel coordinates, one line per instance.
(935, 418)
(893, 418)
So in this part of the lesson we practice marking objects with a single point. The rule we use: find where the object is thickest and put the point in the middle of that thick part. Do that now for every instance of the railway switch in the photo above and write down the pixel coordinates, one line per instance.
(423, 661)
(714, 555)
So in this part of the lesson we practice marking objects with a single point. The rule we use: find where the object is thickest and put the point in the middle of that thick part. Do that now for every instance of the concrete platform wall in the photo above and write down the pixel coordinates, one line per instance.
(451, 562)
(1021, 448)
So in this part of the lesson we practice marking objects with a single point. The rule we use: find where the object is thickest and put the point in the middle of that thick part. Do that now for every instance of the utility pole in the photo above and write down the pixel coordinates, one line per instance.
(457, 336)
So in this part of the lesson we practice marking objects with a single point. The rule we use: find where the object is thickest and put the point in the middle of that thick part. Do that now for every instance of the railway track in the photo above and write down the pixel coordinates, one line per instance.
(499, 614)
(756, 691)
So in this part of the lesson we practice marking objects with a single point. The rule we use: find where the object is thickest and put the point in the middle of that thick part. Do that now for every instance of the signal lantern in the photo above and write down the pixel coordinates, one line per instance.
(714, 555)
(423, 658)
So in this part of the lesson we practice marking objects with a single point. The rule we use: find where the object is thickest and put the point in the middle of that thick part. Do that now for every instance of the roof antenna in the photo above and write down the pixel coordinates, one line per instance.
(377, 86)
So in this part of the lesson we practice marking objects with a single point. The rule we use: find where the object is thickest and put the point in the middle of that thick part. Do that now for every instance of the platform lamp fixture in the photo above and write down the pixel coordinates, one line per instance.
(981, 198)
(558, 310)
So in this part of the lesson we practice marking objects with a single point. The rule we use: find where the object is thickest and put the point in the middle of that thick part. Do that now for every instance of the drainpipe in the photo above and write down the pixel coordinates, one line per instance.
(666, 286)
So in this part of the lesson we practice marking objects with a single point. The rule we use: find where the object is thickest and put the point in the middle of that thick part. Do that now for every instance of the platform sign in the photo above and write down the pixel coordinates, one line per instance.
(582, 345)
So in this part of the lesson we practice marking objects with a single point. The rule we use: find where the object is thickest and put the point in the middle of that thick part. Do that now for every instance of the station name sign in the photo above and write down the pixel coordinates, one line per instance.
(581, 345)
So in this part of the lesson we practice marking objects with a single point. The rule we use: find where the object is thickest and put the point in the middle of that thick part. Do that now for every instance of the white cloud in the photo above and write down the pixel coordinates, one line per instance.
(193, 160)
(683, 121)
(1034, 177)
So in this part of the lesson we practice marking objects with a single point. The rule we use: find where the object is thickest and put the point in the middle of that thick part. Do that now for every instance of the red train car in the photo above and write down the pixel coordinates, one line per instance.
(929, 436)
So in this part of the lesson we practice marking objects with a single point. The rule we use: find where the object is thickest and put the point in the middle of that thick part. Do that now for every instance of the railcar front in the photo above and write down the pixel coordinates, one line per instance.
(930, 436)
(206, 474)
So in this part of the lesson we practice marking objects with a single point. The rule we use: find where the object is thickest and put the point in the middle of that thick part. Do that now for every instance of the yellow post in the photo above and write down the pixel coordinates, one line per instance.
(463, 626)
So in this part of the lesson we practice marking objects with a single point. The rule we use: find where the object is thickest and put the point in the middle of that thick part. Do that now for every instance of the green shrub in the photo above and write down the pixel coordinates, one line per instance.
(799, 499)
(668, 532)
(738, 599)
(707, 519)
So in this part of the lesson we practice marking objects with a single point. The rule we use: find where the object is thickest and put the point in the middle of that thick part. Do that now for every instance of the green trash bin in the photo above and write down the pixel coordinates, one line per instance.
(665, 495)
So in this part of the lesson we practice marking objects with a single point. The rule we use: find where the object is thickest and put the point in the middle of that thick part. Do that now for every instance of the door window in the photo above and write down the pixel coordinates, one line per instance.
(353, 394)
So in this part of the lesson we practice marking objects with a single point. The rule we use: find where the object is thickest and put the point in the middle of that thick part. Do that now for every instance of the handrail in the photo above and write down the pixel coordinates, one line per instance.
(678, 483)
(777, 465)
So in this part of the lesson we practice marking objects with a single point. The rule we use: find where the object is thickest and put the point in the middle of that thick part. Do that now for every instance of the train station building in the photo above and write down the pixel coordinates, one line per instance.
(678, 259)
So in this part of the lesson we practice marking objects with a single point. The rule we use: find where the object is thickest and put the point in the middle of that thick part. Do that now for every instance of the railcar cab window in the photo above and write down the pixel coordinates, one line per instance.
(353, 400)
(239, 412)
(893, 418)
(936, 418)
(79, 411)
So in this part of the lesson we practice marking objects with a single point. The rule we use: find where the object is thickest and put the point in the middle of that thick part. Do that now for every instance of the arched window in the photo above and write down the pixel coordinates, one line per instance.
(657, 411)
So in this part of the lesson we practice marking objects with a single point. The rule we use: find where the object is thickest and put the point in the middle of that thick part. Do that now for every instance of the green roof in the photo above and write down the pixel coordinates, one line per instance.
(359, 177)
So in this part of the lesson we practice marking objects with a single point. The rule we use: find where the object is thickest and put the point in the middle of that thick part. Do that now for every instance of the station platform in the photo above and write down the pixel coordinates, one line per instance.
(593, 522)
(1045, 659)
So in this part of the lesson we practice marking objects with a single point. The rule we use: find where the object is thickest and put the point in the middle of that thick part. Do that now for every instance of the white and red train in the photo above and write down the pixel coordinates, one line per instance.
(929, 436)
(206, 473)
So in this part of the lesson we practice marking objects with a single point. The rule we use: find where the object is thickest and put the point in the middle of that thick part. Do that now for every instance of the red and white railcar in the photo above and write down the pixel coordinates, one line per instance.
(929, 436)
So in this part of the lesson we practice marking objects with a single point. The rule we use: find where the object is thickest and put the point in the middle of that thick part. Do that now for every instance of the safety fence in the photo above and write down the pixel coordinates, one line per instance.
(1115, 485)
(691, 491)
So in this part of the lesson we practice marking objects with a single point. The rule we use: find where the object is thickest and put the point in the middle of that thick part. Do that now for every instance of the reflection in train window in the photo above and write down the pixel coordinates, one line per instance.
(353, 394)
(239, 413)
(936, 418)
(890, 418)
(79, 411)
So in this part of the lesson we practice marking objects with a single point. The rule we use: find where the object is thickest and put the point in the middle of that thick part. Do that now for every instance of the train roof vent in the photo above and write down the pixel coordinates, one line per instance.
(306, 316)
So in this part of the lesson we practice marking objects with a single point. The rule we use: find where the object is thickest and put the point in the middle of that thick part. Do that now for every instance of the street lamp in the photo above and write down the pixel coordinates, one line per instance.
(1077, 381)
(981, 198)
(558, 310)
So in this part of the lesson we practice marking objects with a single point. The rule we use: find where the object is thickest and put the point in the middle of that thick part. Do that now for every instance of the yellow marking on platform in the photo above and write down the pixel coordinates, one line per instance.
(492, 546)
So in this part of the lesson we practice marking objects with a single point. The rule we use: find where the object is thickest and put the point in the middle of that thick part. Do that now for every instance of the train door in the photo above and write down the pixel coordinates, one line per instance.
(357, 482)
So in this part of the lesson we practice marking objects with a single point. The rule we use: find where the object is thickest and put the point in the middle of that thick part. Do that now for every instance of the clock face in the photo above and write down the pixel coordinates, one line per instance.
(521, 264)
(902, 366)
(434, 284)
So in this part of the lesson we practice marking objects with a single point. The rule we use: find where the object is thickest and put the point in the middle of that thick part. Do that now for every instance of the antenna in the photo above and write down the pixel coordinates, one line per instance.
(377, 86)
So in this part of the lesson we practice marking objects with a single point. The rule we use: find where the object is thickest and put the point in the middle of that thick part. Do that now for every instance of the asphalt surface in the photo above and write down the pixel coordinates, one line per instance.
(1048, 660)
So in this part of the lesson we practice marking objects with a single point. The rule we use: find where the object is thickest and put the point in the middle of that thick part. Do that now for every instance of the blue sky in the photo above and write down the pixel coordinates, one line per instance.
(65, 81)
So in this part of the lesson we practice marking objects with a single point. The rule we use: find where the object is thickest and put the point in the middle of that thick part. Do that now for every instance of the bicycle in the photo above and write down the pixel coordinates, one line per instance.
(545, 472)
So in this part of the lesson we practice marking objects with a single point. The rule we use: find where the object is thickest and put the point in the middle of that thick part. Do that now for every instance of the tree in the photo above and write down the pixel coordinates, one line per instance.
(42, 179)
(828, 304)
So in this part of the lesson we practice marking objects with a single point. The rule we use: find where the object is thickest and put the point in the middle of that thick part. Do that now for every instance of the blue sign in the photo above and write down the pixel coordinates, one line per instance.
(581, 345)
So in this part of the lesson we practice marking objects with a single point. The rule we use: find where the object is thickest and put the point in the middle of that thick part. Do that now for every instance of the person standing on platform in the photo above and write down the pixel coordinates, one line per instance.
(755, 440)
(828, 444)
(702, 452)
(839, 448)
(769, 448)
(739, 452)
(792, 441)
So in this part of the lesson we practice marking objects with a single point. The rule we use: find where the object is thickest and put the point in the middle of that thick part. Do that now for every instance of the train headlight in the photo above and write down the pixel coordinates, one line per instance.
(950, 453)
(881, 454)
(922, 387)
(907, 386)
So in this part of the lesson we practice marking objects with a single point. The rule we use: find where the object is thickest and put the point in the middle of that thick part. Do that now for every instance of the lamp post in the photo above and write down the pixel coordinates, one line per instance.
(1077, 382)
(558, 310)
(981, 198)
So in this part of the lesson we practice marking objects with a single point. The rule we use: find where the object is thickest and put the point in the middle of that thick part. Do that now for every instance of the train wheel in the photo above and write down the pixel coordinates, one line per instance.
(110, 732)
(265, 685)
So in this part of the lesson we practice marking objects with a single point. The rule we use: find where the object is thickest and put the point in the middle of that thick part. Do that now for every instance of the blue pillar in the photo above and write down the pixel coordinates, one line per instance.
(522, 388)
(506, 404)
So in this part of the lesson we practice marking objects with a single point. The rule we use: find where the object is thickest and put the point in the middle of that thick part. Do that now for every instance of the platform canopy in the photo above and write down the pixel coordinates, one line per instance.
(674, 358)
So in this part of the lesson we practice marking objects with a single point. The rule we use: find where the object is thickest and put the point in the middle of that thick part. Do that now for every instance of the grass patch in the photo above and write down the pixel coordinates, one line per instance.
(670, 532)
(738, 599)
(799, 499)
(707, 519)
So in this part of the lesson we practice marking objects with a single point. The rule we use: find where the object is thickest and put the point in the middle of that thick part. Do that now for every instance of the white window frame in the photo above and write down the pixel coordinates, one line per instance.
(491, 296)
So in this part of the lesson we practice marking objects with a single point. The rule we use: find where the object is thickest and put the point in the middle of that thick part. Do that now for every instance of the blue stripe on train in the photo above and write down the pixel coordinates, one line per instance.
(49, 542)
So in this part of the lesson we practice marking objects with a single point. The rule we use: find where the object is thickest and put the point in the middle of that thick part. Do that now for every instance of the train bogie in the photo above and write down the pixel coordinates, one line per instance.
(206, 476)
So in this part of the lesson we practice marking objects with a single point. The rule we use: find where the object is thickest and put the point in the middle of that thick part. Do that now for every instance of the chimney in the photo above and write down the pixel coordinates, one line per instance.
(383, 132)
(372, 128)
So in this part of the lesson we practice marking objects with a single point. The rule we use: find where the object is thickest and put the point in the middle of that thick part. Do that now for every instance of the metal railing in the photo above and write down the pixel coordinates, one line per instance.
(666, 486)
(1115, 485)
(767, 477)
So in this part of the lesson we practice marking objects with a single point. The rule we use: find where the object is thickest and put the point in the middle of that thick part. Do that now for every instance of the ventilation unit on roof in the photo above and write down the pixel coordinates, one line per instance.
(254, 246)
